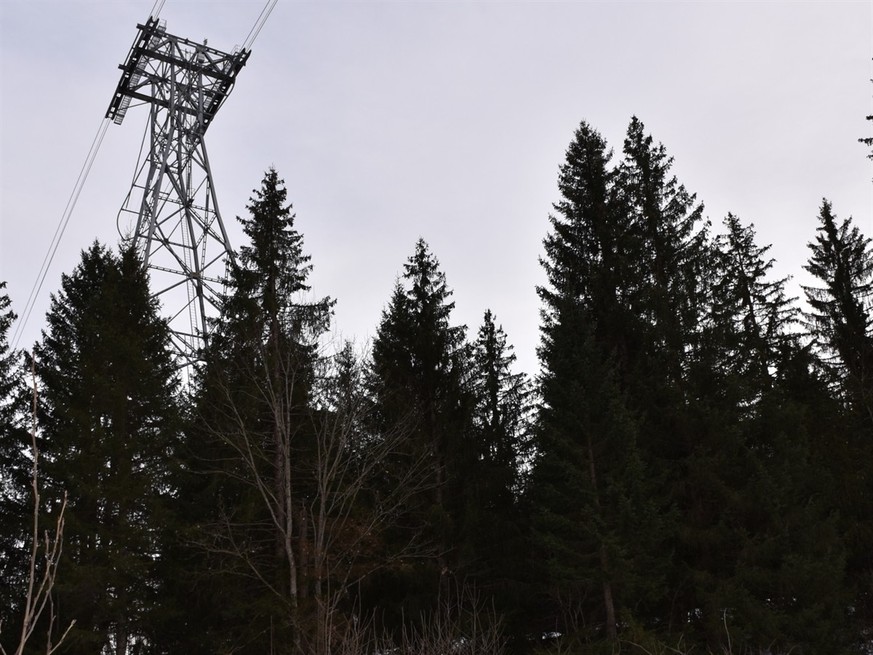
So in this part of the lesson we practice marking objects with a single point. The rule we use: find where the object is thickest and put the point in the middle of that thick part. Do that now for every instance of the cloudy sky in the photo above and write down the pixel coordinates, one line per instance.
(391, 121)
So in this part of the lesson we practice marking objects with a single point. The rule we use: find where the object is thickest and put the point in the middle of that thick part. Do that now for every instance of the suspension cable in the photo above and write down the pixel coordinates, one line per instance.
(259, 23)
(59, 232)
(156, 9)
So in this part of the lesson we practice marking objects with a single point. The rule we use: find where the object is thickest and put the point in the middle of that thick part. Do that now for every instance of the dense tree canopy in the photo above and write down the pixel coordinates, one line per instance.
(419, 373)
(690, 471)
(14, 471)
(109, 428)
(251, 438)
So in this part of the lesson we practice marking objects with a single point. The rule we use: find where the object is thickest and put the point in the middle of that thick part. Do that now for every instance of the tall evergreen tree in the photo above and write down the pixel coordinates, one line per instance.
(420, 372)
(14, 477)
(669, 248)
(790, 588)
(501, 414)
(267, 303)
(252, 439)
(841, 259)
(669, 290)
(497, 557)
(840, 320)
(750, 461)
(589, 486)
(752, 317)
(591, 251)
(109, 425)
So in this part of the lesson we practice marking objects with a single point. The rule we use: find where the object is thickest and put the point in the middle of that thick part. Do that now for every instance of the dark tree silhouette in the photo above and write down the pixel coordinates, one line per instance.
(109, 428)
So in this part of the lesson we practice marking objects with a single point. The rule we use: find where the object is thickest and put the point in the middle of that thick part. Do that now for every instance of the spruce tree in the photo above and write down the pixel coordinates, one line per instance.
(592, 519)
(668, 244)
(501, 414)
(840, 322)
(420, 374)
(251, 441)
(109, 426)
(497, 560)
(590, 253)
(791, 589)
(15, 495)
(750, 465)
(593, 522)
(841, 259)
(752, 316)
(266, 302)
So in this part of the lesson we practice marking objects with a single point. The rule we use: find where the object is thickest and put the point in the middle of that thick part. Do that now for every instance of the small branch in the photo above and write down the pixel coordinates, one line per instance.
(39, 591)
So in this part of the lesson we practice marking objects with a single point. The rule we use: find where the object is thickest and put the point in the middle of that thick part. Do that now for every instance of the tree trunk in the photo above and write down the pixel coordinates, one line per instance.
(608, 601)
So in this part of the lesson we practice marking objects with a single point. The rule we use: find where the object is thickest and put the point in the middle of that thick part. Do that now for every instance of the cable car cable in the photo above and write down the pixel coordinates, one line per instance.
(259, 23)
(59, 232)
(156, 9)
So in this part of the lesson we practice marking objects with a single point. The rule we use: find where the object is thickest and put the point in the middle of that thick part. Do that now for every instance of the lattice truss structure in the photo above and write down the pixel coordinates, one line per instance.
(179, 230)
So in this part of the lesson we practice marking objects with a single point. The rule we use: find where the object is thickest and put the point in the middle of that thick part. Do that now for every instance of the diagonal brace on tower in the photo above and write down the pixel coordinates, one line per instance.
(179, 231)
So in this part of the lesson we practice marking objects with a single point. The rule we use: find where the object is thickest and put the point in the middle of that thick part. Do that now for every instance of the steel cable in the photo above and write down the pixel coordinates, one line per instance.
(59, 232)
(259, 23)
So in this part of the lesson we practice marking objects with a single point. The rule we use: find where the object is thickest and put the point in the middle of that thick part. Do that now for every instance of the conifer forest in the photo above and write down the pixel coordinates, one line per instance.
(689, 471)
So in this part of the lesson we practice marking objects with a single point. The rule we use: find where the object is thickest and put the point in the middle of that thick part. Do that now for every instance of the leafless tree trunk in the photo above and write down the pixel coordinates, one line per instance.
(38, 598)
(311, 487)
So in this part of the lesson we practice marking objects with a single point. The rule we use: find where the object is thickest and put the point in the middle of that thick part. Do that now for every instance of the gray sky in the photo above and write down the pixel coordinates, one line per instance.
(444, 120)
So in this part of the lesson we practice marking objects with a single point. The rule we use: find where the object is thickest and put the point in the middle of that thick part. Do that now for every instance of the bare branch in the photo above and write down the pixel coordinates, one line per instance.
(40, 585)
(316, 471)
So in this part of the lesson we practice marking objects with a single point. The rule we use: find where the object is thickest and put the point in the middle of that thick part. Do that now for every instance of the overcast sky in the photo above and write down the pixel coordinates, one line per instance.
(391, 121)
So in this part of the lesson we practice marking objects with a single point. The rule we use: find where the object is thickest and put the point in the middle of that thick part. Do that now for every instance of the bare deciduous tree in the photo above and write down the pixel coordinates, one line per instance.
(317, 476)
(45, 555)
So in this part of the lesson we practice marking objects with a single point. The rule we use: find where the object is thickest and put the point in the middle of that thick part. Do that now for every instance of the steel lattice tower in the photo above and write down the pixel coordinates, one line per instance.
(179, 231)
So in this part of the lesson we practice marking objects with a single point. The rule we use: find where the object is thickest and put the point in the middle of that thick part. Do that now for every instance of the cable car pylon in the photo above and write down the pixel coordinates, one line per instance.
(178, 230)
